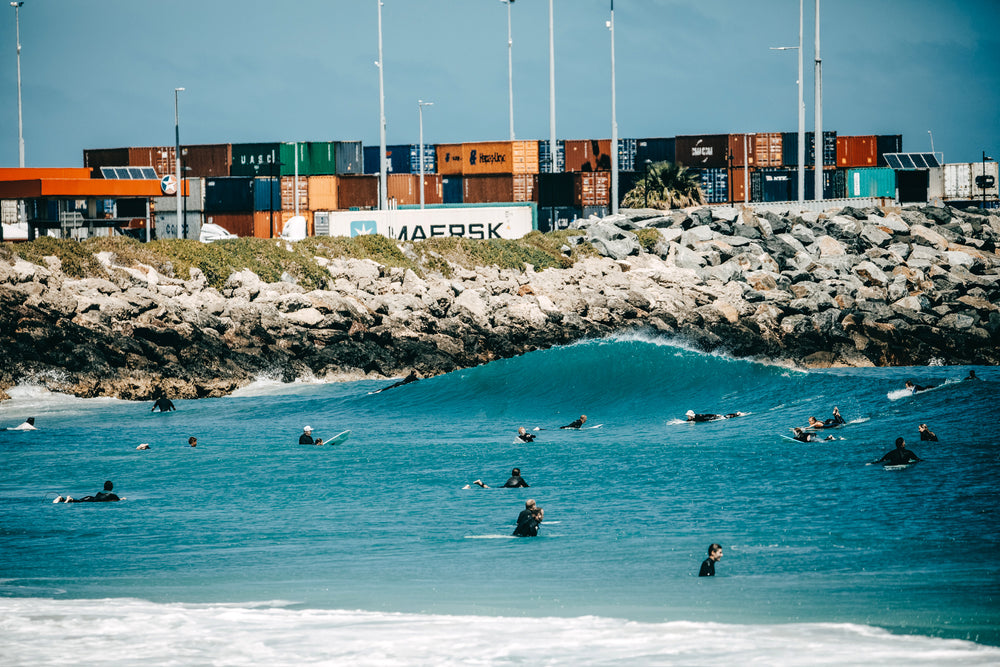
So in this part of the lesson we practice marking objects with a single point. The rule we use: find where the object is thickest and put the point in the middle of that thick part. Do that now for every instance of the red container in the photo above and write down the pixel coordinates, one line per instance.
(859, 151)
(736, 149)
(358, 191)
(160, 158)
(208, 160)
(588, 154)
(241, 224)
(499, 188)
(592, 188)
(767, 149)
(737, 191)
(404, 189)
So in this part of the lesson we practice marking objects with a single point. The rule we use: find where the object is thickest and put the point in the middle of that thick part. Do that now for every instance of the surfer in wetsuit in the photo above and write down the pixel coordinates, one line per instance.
(708, 566)
(927, 434)
(914, 388)
(900, 456)
(524, 436)
(27, 425)
(709, 417)
(412, 377)
(805, 436)
(576, 424)
(528, 520)
(971, 376)
(164, 404)
(102, 496)
(306, 437)
(515, 481)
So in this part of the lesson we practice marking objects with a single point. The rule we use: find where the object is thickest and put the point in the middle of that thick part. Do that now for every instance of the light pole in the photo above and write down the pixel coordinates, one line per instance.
(552, 90)
(614, 118)
(20, 126)
(801, 114)
(985, 181)
(177, 161)
(420, 107)
(818, 134)
(383, 202)
(510, 70)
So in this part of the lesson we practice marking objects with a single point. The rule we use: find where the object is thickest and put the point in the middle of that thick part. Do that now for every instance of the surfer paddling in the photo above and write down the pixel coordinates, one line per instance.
(524, 436)
(914, 388)
(576, 424)
(692, 416)
(107, 495)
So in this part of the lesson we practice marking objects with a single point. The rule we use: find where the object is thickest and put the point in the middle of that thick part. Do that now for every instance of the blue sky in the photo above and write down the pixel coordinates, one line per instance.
(102, 73)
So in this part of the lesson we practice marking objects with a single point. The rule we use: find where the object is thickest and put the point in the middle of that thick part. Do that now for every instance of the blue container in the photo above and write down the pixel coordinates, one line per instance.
(871, 182)
(430, 159)
(545, 156)
(626, 154)
(348, 157)
(266, 194)
(714, 184)
(232, 194)
(790, 149)
(401, 159)
(451, 190)
(655, 150)
(768, 185)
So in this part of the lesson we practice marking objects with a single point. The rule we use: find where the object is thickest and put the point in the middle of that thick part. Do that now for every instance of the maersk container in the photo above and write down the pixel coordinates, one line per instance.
(545, 156)
(871, 182)
(349, 157)
(662, 149)
(702, 151)
(714, 183)
(887, 143)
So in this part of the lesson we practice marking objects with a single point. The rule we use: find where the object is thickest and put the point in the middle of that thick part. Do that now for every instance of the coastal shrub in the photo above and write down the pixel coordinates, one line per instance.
(77, 261)
(648, 238)
(128, 251)
(377, 248)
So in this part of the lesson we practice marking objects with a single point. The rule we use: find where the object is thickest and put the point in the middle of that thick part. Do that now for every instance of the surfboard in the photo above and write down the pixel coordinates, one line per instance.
(902, 466)
(338, 439)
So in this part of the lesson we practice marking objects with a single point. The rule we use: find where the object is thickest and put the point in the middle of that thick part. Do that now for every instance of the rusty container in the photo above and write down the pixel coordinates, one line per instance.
(207, 160)
(588, 154)
(288, 192)
(404, 189)
(857, 151)
(357, 191)
(160, 158)
(241, 224)
(740, 143)
(592, 188)
(499, 188)
(767, 150)
(739, 192)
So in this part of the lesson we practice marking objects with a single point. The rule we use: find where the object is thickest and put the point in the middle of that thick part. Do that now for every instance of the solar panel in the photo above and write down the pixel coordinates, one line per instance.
(129, 173)
(911, 161)
(135, 172)
(149, 173)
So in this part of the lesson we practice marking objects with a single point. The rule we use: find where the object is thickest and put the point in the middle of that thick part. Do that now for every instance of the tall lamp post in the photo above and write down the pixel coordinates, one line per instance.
(420, 107)
(801, 114)
(985, 182)
(20, 126)
(818, 142)
(510, 69)
(383, 201)
(552, 90)
(614, 118)
(177, 163)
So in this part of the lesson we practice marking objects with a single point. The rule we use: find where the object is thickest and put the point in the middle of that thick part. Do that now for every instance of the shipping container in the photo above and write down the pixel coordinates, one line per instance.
(350, 158)
(266, 194)
(160, 158)
(449, 159)
(289, 191)
(404, 189)
(451, 189)
(790, 149)
(557, 217)
(702, 151)
(241, 224)
(741, 148)
(322, 193)
(714, 182)
(626, 154)
(282, 220)
(320, 158)
(555, 190)
(357, 191)
(95, 158)
(958, 180)
(772, 185)
(207, 160)
(739, 184)
(767, 150)
(887, 143)
(627, 181)
(401, 159)
(500, 157)
(499, 188)
(655, 150)
(229, 195)
(588, 155)
(834, 184)
(912, 186)
(871, 182)
(545, 157)
(256, 160)
(990, 184)
(592, 188)
(856, 151)
(193, 201)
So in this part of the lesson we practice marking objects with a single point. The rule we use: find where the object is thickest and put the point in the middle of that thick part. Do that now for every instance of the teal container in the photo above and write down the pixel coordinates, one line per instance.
(320, 158)
(871, 182)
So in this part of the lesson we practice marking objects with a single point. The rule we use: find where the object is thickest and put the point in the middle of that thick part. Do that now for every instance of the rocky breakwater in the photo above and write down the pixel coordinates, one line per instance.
(858, 287)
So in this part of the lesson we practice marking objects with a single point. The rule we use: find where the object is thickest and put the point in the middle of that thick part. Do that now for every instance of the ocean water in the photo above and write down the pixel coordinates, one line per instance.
(251, 549)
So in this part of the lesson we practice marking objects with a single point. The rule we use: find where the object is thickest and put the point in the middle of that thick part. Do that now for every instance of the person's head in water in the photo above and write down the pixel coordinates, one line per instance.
(529, 504)
(714, 551)
(815, 422)
(900, 443)
(516, 472)
(972, 375)
(583, 419)
(689, 414)
(193, 441)
(307, 429)
(909, 384)
(31, 420)
(522, 431)
(108, 485)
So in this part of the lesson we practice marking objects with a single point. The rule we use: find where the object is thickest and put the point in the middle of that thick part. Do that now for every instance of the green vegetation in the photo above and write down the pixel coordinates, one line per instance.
(271, 259)
(649, 237)
(665, 186)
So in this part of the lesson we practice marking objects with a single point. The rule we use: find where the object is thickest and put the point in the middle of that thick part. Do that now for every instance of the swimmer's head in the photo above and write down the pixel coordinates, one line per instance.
(689, 413)
(900, 442)
(515, 472)
(307, 429)
(108, 485)
(529, 503)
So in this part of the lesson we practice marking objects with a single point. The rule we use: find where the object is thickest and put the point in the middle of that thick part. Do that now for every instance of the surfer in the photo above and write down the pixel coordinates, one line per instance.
(529, 519)
(900, 456)
(164, 404)
(709, 417)
(306, 437)
(926, 433)
(971, 376)
(144, 445)
(102, 496)
(914, 388)
(524, 436)
(835, 420)
(27, 425)
(805, 436)
(412, 377)
(708, 565)
(193, 441)
(515, 481)
(576, 424)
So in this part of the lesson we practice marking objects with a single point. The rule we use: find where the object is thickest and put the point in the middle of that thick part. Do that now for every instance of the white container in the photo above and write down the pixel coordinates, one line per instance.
(957, 180)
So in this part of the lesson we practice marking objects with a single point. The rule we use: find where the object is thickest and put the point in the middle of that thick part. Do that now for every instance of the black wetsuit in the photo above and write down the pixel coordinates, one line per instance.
(704, 418)
(515, 482)
(805, 437)
(707, 568)
(305, 439)
(917, 387)
(527, 524)
(526, 437)
(899, 457)
(101, 497)
(576, 424)
(835, 420)
(928, 435)
(163, 404)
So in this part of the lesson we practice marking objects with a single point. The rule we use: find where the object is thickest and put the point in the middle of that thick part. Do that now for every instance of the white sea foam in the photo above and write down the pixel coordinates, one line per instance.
(128, 631)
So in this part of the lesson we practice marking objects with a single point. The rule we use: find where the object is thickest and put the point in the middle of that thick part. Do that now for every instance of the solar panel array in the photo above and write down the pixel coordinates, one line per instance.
(911, 160)
(129, 173)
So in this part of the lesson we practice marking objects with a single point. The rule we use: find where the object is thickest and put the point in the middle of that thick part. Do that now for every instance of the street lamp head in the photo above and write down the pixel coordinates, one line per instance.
(17, 4)
(176, 90)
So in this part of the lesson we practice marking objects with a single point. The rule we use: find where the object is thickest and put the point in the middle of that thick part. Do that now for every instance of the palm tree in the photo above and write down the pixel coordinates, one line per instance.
(665, 186)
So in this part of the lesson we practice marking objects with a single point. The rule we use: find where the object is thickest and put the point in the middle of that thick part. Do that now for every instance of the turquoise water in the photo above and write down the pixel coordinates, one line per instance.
(820, 549)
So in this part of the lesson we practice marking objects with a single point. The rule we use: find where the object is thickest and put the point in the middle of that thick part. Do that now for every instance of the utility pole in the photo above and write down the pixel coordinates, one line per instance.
(818, 142)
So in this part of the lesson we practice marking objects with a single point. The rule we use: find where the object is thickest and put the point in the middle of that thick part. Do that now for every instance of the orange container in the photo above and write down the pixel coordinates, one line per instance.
(449, 159)
(288, 192)
(592, 188)
(323, 193)
(737, 191)
(588, 154)
(279, 222)
(767, 150)
(736, 149)
(499, 157)
(860, 151)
